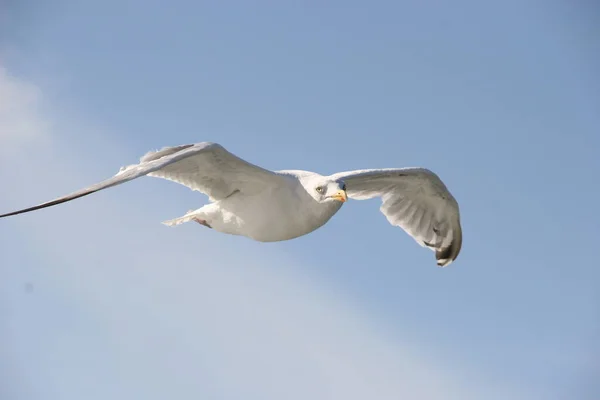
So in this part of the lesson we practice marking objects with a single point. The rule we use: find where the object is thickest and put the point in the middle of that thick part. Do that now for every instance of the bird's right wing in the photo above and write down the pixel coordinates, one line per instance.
(416, 200)
(206, 167)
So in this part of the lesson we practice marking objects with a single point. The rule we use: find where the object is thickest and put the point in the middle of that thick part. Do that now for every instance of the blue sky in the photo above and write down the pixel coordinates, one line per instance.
(501, 100)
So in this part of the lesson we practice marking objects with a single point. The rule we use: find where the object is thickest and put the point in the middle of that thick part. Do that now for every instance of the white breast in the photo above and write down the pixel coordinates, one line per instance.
(280, 213)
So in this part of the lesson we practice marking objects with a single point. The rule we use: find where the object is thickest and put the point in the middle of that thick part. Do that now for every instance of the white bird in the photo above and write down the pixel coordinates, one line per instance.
(271, 206)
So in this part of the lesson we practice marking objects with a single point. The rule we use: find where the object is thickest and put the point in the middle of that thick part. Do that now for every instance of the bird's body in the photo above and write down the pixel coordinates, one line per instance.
(257, 217)
(270, 206)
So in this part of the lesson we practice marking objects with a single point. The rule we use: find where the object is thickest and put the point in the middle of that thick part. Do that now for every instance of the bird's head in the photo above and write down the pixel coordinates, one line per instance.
(325, 190)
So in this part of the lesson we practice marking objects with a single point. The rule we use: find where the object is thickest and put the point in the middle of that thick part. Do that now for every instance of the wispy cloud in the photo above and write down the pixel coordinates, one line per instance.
(123, 307)
(20, 119)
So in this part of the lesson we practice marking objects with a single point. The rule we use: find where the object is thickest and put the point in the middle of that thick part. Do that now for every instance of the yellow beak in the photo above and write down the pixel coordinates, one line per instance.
(340, 196)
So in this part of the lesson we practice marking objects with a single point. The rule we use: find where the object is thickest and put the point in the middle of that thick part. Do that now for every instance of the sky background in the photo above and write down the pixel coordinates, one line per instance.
(99, 300)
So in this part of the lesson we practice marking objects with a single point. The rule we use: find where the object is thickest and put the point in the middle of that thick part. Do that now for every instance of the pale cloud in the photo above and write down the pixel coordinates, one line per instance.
(20, 117)
(124, 307)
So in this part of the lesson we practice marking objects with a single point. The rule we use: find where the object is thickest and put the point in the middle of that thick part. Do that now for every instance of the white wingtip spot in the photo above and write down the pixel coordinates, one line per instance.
(444, 262)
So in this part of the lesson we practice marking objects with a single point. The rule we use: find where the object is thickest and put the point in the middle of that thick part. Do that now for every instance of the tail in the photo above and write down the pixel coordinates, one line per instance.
(178, 221)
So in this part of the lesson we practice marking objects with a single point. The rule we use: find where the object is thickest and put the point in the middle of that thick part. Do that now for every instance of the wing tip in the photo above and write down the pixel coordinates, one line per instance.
(444, 258)
(444, 262)
(446, 255)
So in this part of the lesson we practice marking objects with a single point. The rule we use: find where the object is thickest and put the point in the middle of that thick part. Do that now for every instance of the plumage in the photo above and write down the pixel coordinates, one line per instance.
(267, 206)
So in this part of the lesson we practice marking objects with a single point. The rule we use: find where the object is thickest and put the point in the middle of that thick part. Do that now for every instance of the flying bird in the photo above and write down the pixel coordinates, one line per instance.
(270, 206)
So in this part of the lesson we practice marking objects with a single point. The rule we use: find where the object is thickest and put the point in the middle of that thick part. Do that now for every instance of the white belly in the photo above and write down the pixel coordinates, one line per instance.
(269, 217)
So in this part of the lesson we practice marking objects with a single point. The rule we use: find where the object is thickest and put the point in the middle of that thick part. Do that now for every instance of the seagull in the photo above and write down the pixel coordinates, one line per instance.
(271, 206)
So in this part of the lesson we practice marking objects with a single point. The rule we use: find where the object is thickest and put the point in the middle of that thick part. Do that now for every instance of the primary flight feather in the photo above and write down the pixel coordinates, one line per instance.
(270, 206)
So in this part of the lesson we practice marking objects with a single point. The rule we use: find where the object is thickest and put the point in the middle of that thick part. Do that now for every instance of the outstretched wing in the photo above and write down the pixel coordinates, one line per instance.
(416, 200)
(206, 167)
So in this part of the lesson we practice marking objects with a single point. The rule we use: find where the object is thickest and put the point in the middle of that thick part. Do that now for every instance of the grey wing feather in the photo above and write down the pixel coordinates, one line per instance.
(212, 170)
(416, 200)
(205, 167)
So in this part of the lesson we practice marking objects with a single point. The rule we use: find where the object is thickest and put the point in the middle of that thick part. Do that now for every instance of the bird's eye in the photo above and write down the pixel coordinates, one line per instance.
(344, 186)
(319, 189)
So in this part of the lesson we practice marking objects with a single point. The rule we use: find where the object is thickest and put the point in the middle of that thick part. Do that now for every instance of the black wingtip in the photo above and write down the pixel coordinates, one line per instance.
(445, 256)
(47, 204)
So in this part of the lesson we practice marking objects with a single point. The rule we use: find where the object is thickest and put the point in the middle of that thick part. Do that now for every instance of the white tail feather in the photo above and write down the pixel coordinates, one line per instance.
(178, 221)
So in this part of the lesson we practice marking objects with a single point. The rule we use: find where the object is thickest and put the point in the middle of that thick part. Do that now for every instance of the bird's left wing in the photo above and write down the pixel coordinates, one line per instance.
(206, 167)
(416, 200)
